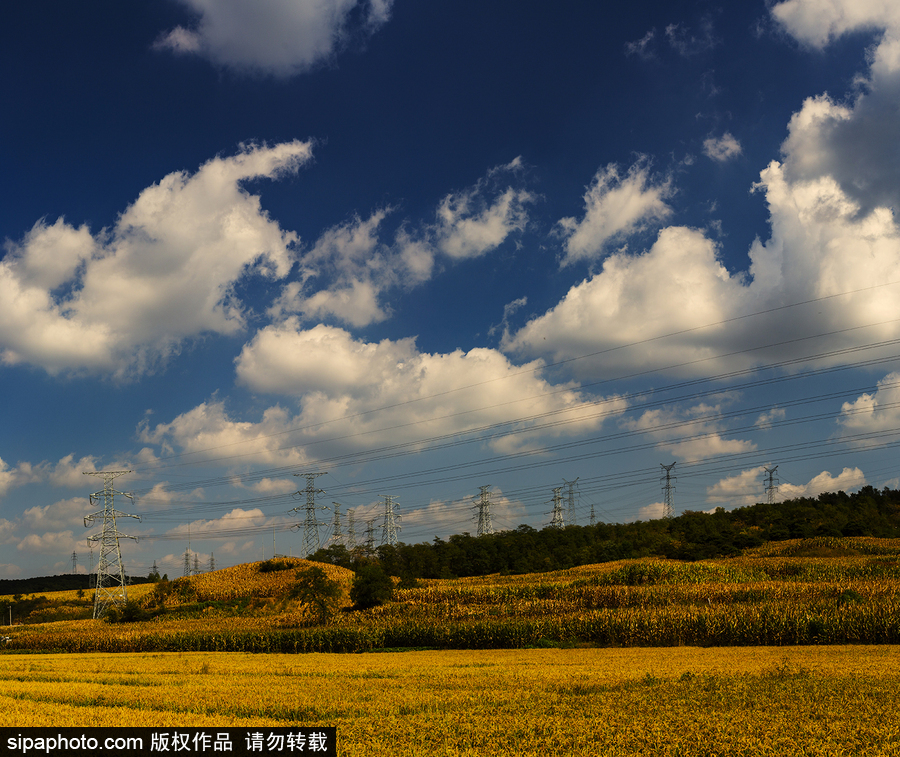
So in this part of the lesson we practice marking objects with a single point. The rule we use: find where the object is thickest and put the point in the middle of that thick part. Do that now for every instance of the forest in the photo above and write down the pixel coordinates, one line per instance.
(690, 536)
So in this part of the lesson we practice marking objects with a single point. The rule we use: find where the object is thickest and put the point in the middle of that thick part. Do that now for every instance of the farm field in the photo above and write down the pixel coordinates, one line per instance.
(824, 700)
(775, 596)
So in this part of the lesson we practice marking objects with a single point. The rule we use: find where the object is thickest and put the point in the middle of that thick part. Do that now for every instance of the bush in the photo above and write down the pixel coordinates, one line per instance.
(371, 587)
(129, 612)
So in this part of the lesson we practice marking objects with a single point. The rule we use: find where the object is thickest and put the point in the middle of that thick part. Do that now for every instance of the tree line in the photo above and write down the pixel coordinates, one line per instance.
(690, 536)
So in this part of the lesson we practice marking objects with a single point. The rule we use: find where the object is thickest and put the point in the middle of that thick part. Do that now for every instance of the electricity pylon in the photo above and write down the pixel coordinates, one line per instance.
(351, 530)
(310, 525)
(110, 583)
(557, 521)
(370, 535)
(485, 523)
(390, 527)
(668, 488)
(570, 515)
(771, 485)
(337, 534)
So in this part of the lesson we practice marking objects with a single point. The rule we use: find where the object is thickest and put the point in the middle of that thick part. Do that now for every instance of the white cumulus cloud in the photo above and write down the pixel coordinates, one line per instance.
(124, 299)
(279, 37)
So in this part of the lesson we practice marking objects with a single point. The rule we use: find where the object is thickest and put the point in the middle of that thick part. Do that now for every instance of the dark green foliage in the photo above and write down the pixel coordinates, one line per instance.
(316, 589)
(371, 587)
(689, 536)
(272, 565)
(128, 612)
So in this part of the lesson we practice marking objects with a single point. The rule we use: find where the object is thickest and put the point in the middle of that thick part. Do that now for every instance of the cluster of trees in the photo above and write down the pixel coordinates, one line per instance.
(689, 536)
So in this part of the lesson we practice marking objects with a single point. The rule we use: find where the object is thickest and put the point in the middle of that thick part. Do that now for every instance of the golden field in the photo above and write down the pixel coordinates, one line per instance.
(677, 701)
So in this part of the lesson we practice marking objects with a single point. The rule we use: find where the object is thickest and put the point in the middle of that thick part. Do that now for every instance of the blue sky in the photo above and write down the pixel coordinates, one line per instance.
(424, 248)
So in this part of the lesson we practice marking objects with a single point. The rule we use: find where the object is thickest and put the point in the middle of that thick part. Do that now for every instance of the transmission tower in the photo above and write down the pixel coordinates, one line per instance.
(557, 521)
(485, 524)
(110, 583)
(771, 485)
(668, 488)
(337, 533)
(351, 530)
(310, 525)
(390, 527)
(370, 535)
(593, 518)
(212, 562)
(570, 515)
(74, 562)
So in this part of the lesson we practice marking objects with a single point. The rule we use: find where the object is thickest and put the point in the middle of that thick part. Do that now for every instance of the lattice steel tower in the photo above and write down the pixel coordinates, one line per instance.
(668, 489)
(390, 527)
(485, 523)
(771, 485)
(351, 530)
(310, 525)
(337, 533)
(570, 513)
(557, 521)
(110, 581)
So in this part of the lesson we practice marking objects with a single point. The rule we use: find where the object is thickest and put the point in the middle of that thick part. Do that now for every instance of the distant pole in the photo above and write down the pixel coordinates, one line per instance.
(390, 527)
(370, 535)
(570, 515)
(337, 533)
(110, 585)
(310, 525)
(557, 521)
(485, 522)
(771, 485)
(668, 489)
(351, 530)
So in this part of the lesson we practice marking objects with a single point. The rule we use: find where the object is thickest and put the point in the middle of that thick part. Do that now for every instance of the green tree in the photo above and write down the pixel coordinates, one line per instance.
(371, 587)
(316, 589)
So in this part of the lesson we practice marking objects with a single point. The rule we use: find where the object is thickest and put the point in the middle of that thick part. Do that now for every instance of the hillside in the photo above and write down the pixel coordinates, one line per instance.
(767, 597)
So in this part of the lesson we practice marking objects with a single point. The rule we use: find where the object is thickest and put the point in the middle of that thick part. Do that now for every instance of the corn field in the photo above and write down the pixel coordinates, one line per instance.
(764, 599)
(686, 701)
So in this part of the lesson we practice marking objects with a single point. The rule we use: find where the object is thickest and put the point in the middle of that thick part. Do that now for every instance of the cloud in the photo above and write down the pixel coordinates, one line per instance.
(65, 512)
(48, 542)
(688, 43)
(770, 417)
(278, 37)
(748, 488)
(834, 240)
(125, 299)
(652, 512)
(691, 433)
(874, 413)
(339, 382)
(818, 22)
(23, 473)
(615, 206)
(346, 273)
(209, 432)
(721, 148)
(852, 142)
(848, 478)
(641, 47)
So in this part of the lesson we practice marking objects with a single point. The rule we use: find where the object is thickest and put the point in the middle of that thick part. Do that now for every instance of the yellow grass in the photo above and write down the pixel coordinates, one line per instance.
(686, 700)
